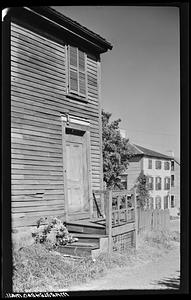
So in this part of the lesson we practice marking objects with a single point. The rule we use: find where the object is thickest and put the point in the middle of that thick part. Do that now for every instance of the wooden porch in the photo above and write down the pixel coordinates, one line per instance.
(112, 226)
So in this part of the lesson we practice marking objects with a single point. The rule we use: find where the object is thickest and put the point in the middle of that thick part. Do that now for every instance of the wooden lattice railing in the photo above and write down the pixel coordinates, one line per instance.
(117, 209)
(123, 210)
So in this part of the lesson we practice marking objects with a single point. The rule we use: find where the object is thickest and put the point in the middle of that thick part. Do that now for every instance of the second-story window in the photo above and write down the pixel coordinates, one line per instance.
(158, 183)
(149, 163)
(157, 164)
(77, 81)
(172, 165)
(150, 183)
(167, 183)
(166, 165)
(172, 180)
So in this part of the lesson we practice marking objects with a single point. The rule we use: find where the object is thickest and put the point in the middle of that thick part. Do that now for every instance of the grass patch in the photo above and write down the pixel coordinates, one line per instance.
(37, 269)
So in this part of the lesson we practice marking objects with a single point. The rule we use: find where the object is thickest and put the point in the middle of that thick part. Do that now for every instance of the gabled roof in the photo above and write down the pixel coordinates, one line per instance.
(139, 150)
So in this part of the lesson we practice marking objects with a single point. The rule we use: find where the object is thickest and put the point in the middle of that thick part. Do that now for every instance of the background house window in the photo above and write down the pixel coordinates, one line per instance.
(151, 206)
(172, 165)
(167, 183)
(158, 183)
(157, 164)
(158, 202)
(150, 183)
(150, 164)
(172, 201)
(172, 180)
(166, 165)
(124, 181)
(77, 71)
(165, 202)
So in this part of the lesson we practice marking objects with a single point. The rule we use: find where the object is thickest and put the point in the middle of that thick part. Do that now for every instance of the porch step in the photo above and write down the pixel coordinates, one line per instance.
(88, 238)
(85, 226)
(78, 249)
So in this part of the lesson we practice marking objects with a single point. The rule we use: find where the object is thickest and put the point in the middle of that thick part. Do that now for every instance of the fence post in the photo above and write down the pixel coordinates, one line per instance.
(136, 216)
(109, 220)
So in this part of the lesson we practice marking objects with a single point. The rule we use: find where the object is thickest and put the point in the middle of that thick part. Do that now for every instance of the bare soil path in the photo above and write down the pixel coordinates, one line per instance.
(162, 273)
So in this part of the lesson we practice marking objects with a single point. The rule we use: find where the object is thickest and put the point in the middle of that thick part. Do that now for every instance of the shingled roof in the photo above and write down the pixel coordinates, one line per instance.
(139, 150)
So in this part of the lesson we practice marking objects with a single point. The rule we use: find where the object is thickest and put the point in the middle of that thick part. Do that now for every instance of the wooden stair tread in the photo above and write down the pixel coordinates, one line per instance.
(81, 244)
(88, 235)
(86, 223)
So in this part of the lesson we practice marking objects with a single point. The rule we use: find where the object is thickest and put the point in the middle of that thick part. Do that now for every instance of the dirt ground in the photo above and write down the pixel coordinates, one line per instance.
(162, 273)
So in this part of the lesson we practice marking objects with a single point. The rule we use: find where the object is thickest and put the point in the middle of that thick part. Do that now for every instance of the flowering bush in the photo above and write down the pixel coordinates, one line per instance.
(52, 232)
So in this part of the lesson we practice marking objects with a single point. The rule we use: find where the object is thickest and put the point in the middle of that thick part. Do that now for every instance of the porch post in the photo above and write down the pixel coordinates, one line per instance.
(109, 220)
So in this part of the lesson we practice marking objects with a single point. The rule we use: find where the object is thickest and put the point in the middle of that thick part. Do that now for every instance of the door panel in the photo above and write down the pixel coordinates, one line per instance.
(76, 174)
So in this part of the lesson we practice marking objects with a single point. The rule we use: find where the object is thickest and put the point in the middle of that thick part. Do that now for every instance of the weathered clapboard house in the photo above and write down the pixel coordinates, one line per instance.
(56, 138)
(56, 157)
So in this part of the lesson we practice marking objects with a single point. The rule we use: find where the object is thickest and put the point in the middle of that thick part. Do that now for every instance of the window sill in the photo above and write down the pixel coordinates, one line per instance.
(77, 97)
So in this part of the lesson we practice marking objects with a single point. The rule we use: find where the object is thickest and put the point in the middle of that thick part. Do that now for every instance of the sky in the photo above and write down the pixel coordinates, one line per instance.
(141, 74)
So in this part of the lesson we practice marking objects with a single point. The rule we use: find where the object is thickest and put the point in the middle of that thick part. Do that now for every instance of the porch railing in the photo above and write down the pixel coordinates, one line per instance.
(118, 211)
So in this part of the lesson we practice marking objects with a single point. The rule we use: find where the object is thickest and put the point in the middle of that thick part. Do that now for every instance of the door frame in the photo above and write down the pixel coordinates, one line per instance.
(73, 122)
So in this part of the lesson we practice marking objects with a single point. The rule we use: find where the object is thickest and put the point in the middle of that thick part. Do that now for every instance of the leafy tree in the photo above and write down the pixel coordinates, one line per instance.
(115, 152)
(142, 189)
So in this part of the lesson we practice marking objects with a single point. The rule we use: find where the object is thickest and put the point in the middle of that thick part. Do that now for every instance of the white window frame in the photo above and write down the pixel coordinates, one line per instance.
(166, 184)
(156, 183)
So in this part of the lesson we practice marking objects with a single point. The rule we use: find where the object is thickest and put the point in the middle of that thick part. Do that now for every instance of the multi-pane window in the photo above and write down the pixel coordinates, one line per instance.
(150, 183)
(157, 164)
(167, 183)
(149, 163)
(165, 202)
(166, 165)
(172, 201)
(172, 180)
(158, 183)
(77, 81)
(172, 165)
(158, 202)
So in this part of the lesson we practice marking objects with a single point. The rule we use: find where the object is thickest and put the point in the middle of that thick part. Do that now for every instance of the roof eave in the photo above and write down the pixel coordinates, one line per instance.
(76, 28)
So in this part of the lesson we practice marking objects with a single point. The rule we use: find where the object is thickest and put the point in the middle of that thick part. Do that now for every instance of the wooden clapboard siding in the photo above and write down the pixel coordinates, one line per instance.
(38, 98)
